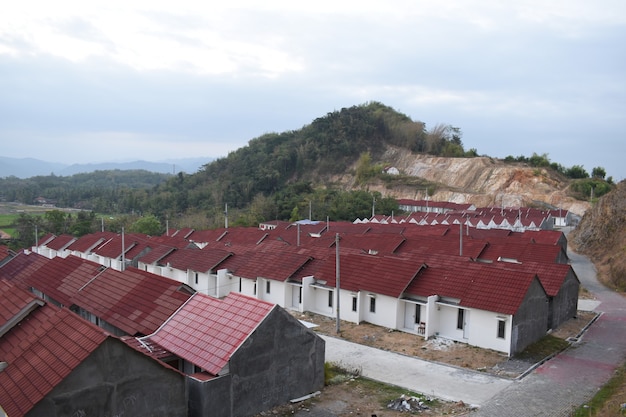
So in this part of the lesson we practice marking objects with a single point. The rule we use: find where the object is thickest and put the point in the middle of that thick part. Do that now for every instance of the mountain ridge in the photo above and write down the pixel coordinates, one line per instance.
(31, 167)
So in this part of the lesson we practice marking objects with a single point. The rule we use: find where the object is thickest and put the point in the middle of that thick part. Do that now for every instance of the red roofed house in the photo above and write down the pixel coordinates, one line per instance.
(242, 355)
(57, 364)
(481, 305)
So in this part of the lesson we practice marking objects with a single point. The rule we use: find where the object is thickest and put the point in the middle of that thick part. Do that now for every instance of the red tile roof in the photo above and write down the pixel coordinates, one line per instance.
(86, 243)
(271, 265)
(61, 278)
(4, 252)
(47, 345)
(207, 331)
(133, 300)
(377, 274)
(60, 242)
(195, 259)
(156, 254)
(474, 284)
(21, 266)
(14, 301)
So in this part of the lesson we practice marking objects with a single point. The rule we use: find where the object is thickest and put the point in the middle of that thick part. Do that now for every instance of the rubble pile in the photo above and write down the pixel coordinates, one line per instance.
(407, 403)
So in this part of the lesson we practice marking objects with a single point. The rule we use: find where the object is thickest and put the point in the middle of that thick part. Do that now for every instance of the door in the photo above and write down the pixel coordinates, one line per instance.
(466, 316)
(296, 295)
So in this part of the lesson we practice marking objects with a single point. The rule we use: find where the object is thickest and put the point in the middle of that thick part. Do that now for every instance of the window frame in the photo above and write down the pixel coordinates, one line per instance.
(501, 329)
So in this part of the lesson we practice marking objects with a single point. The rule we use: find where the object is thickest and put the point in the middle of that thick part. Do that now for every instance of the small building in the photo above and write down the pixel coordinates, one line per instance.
(242, 355)
(57, 364)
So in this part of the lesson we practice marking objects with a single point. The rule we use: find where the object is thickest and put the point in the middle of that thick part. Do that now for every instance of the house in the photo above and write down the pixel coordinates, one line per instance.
(242, 355)
(194, 267)
(381, 265)
(478, 304)
(57, 364)
(55, 246)
(130, 302)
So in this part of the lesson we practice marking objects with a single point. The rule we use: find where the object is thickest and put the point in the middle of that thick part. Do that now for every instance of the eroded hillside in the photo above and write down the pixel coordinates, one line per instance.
(601, 235)
(481, 181)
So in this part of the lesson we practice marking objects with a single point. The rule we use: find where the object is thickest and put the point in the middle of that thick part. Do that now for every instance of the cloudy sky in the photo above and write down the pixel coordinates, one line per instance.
(92, 81)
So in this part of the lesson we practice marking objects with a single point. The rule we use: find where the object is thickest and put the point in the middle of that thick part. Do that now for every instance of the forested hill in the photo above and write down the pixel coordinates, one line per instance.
(332, 167)
(329, 145)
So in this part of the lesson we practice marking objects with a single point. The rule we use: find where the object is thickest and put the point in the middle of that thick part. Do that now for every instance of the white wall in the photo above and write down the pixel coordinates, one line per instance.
(386, 311)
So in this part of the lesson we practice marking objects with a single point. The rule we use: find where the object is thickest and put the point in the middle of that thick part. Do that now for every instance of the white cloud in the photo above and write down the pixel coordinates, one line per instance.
(216, 72)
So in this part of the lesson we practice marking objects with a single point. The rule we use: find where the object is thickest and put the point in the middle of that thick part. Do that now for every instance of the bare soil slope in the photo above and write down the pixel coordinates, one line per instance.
(601, 235)
(482, 181)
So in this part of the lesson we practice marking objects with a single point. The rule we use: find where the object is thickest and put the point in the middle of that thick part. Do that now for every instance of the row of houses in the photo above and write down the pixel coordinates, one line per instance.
(425, 212)
(78, 338)
(495, 289)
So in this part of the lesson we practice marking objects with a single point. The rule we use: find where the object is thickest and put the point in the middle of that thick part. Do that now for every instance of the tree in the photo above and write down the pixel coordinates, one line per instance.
(148, 225)
(55, 221)
(576, 172)
(598, 172)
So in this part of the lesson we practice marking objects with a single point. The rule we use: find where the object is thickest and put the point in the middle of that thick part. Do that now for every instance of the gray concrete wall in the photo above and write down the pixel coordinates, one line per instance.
(210, 398)
(116, 380)
(531, 319)
(280, 361)
(565, 304)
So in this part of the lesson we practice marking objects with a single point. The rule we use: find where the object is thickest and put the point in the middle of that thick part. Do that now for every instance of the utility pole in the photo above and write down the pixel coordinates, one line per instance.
(226, 215)
(123, 252)
(337, 277)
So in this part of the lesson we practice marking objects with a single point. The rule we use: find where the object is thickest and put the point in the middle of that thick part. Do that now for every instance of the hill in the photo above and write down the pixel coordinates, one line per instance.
(328, 154)
(601, 235)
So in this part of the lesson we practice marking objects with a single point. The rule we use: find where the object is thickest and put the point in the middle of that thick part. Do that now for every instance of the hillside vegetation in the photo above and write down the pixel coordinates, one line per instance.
(601, 235)
(333, 167)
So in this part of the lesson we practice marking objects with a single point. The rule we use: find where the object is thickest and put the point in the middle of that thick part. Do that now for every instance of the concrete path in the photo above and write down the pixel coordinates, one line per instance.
(441, 381)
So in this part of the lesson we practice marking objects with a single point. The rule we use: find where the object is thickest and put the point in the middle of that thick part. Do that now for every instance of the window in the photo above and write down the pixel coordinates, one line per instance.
(330, 298)
(299, 295)
(418, 313)
(372, 305)
(460, 320)
(501, 328)
(254, 291)
(353, 303)
(196, 277)
(267, 287)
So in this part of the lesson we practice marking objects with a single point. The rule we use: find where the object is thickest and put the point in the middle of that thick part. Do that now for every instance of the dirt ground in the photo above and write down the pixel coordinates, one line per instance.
(436, 350)
(359, 397)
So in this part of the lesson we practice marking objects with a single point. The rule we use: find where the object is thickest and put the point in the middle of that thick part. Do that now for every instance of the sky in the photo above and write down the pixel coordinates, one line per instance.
(95, 81)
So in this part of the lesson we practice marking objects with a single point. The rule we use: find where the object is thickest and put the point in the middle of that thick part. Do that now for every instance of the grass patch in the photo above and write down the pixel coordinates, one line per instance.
(543, 348)
(335, 374)
(600, 404)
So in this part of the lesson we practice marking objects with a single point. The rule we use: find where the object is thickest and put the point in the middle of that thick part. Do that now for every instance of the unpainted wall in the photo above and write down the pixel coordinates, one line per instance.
(116, 380)
(531, 319)
(210, 398)
(280, 361)
(565, 303)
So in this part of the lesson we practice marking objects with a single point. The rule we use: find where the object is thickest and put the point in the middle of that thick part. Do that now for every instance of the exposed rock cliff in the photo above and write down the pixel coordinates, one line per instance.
(481, 181)
(601, 235)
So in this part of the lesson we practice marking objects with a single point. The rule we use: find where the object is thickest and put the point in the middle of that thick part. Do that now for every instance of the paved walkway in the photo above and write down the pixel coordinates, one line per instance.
(573, 377)
(554, 389)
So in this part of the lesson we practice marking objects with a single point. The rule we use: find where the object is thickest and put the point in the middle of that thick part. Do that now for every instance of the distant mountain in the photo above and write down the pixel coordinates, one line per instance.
(30, 167)
(27, 167)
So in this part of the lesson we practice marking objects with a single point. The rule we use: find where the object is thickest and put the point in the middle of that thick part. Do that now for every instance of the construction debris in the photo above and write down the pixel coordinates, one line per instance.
(408, 403)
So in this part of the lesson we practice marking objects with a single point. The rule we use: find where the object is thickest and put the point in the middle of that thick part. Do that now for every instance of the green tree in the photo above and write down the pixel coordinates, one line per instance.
(148, 225)
(56, 221)
(576, 172)
(598, 172)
